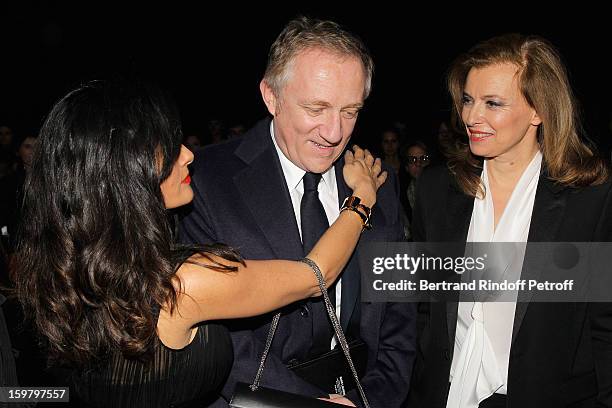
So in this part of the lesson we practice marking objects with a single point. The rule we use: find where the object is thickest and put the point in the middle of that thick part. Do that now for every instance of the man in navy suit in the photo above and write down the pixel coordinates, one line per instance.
(248, 193)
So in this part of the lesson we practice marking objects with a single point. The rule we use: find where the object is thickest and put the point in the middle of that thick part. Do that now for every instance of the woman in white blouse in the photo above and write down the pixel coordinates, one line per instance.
(520, 173)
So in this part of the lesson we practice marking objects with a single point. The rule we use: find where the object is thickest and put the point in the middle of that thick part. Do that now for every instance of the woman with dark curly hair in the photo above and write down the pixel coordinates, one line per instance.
(112, 295)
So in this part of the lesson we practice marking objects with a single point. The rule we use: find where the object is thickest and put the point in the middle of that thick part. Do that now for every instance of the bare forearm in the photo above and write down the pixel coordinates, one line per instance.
(335, 247)
(363, 174)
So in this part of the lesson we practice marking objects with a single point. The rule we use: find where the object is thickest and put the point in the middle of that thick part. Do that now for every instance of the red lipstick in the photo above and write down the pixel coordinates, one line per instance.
(187, 180)
(477, 135)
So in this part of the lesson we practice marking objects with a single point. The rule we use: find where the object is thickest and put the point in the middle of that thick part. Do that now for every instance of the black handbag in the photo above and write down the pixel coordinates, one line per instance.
(323, 371)
(255, 396)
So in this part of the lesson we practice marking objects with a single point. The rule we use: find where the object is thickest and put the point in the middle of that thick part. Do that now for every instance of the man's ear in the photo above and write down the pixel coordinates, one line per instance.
(268, 97)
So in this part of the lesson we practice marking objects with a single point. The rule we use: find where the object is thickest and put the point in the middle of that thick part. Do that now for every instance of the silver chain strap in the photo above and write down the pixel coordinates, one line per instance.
(337, 328)
(264, 355)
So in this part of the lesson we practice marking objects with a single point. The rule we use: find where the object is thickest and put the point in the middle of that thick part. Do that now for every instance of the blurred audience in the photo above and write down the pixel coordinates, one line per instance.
(415, 158)
(11, 189)
(6, 150)
(390, 148)
(192, 141)
(235, 131)
(216, 131)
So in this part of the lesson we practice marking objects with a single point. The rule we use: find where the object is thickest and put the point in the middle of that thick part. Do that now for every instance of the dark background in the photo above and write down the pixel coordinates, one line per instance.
(211, 57)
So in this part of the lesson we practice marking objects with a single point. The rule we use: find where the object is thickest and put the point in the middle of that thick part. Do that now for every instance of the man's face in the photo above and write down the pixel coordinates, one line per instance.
(316, 111)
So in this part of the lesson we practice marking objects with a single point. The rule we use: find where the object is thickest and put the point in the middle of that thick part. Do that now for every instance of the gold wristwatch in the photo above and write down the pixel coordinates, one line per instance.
(353, 203)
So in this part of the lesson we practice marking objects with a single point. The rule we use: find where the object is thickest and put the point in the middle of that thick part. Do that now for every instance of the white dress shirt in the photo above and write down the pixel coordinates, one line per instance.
(328, 195)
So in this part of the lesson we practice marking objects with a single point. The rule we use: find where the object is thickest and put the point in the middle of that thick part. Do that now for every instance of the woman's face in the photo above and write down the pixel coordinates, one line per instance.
(416, 159)
(26, 151)
(176, 189)
(499, 121)
(390, 143)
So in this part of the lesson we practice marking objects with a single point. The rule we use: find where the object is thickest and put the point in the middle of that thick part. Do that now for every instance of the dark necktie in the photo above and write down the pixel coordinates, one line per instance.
(313, 219)
(314, 223)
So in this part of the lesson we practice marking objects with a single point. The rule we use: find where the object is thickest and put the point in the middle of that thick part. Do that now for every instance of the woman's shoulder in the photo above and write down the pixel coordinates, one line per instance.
(207, 261)
(435, 179)
(203, 269)
(585, 193)
(437, 172)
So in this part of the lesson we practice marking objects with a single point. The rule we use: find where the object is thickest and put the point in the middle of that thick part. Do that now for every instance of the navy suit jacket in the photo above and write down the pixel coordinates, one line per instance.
(241, 199)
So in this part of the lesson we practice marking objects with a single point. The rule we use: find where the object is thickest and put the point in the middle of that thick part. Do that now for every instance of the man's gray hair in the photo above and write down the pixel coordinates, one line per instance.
(304, 33)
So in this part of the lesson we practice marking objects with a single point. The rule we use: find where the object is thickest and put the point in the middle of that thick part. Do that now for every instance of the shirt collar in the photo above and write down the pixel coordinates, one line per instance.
(294, 174)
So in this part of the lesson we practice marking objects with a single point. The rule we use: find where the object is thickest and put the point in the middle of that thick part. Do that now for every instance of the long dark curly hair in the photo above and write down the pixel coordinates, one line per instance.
(97, 255)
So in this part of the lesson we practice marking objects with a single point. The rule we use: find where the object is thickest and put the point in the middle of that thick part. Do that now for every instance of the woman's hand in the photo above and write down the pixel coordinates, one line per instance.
(363, 175)
(339, 399)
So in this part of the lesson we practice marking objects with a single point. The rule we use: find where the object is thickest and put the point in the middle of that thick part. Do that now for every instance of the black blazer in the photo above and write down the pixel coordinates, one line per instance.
(561, 353)
(241, 199)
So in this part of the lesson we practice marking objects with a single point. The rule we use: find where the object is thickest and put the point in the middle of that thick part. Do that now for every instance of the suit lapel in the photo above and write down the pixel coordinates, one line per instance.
(264, 191)
(546, 217)
(458, 216)
(351, 277)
